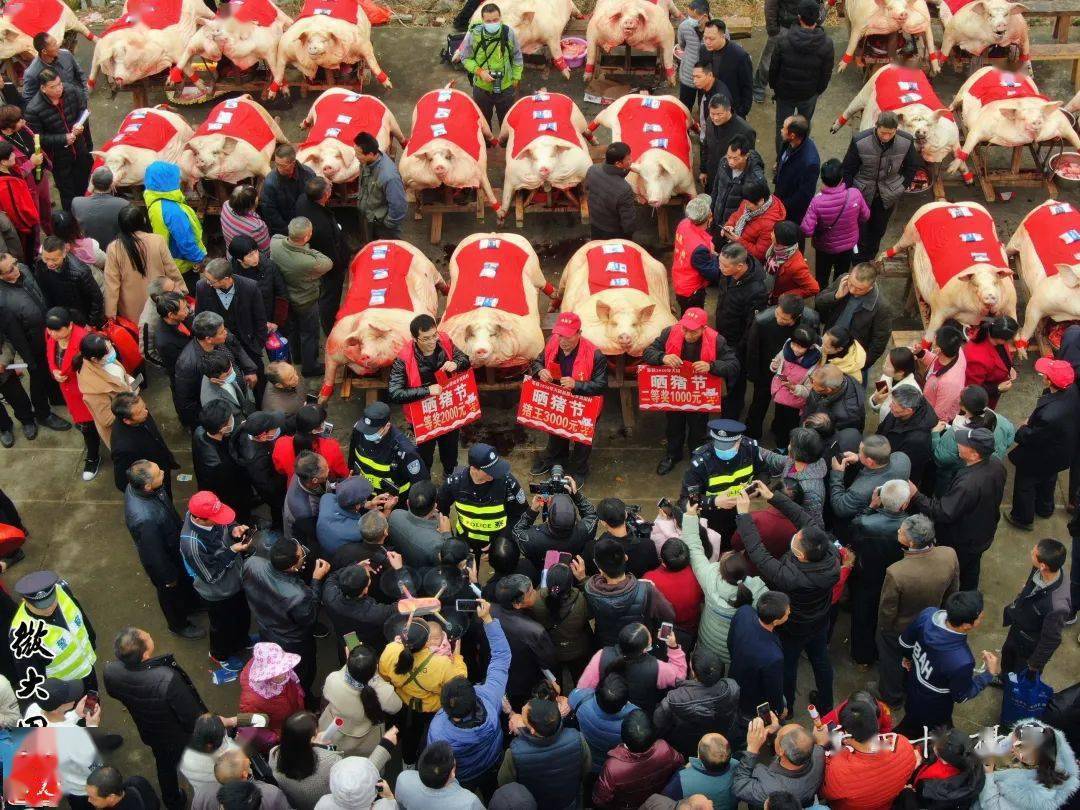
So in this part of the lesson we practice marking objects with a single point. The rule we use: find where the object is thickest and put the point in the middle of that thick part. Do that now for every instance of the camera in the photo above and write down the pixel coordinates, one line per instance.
(555, 484)
(496, 81)
(693, 494)
(635, 523)
(388, 486)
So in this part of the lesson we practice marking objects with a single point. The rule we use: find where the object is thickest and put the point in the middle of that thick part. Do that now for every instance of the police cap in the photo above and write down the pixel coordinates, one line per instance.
(38, 588)
(376, 415)
(485, 457)
(725, 432)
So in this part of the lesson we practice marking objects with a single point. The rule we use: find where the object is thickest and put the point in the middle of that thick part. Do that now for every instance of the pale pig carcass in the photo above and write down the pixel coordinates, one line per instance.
(149, 37)
(1074, 105)
(235, 142)
(544, 145)
(1047, 246)
(22, 20)
(537, 24)
(620, 293)
(882, 17)
(145, 135)
(977, 25)
(641, 24)
(958, 264)
(334, 121)
(390, 283)
(492, 311)
(447, 145)
(245, 32)
(656, 130)
(908, 93)
(327, 34)
(1007, 109)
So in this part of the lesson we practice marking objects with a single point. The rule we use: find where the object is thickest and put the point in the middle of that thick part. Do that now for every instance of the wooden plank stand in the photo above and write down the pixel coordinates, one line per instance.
(1016, 175)
(627, 63)
(439, 201)
(550, 201)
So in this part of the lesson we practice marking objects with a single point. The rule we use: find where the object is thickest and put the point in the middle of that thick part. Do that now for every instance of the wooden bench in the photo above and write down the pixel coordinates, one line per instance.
(1063, 12)
(1059, 52)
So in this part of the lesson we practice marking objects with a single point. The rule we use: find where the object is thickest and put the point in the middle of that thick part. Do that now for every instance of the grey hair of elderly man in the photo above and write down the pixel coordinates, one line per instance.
(299, 229)
(102, 179)
(894, 495)
(699, 209)
(917, 531)
(830, 376)
(907, 396)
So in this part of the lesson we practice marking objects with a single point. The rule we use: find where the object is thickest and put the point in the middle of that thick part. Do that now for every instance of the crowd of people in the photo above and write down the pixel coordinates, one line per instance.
(506, 648)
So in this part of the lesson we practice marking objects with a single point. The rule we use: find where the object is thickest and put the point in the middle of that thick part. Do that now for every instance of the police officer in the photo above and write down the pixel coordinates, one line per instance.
(380, 452)
(488, 500)
(69, 638)
(718, 470)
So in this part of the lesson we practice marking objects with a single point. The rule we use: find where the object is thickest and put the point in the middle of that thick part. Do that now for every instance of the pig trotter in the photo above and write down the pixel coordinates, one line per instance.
(838, 125)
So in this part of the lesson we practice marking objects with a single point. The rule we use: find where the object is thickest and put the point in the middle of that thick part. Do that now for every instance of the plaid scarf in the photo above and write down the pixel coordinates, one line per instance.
(748, 216)
(776, 257)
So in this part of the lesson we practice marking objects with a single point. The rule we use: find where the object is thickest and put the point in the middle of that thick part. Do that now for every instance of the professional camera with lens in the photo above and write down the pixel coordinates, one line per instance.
(555, 484)
(635, 523)
(496, 81)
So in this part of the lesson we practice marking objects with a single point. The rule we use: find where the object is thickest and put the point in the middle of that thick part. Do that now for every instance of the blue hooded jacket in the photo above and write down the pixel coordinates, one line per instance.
(170, 215)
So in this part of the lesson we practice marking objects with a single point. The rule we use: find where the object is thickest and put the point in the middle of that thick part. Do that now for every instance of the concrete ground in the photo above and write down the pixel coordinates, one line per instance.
(77, 528)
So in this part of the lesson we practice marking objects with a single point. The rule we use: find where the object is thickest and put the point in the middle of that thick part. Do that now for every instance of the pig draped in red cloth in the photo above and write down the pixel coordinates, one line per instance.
(23, 19)
(235, 142)
(145, 135)
(639, 24)
(245, 32)
(1047, 246)
(878, 17)
(973, 26)
(958, 264)
(335, 119)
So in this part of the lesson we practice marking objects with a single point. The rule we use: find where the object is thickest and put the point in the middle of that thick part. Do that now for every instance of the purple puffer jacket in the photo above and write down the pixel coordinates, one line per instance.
(825, 209)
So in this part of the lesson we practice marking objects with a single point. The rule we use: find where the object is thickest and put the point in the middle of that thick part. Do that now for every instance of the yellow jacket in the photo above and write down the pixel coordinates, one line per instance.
(852, 362)
(425, 681)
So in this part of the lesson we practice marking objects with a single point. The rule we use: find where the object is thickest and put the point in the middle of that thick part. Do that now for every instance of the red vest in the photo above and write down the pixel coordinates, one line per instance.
(412, 368)
(583, 360)
(344, 116)
(1045, 230)
(674, 343)
(655, 122)
(688, 238)
(955, 243)
(542, 114)
(894, 84)
(614, 266)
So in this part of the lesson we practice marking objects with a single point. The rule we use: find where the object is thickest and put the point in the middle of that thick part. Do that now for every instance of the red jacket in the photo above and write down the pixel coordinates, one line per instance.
(628, 779)
(277, 709)
(858, 781)
(80, 414)
(18, 203)
(284, 456)
(757, 235)
(794, 277)
(776, 532)
(683, 591)
(985, 366)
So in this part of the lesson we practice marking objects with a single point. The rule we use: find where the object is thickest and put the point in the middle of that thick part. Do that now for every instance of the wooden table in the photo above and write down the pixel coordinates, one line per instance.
(1063, 12)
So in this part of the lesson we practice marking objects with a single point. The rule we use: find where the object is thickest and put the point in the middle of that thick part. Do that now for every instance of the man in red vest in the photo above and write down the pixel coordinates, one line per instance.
(574, 363)
(690, 341)
(413, 378)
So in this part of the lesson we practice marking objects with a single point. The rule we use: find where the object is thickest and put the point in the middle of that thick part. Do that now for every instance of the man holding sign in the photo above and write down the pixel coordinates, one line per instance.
(570, 361)
(419, 372)
(690, 342)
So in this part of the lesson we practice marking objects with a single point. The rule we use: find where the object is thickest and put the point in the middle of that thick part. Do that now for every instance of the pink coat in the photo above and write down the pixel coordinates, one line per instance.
(833, 218)
(794, 373)
(942, 391)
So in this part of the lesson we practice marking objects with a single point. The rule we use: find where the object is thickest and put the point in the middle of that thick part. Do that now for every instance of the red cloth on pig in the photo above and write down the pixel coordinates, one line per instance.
(941, 233)
(654, 122)
(489, 277)
(956, 5)
(542, 114)
(615, 265)
(1045, 229)
(144, 129)
(890, 94)
(378, 281)
(446, 114)
(260, 12)
(156, 15)
(363, 114)
(347, 10)
(238, 119)
(33, 16)
(989, 87)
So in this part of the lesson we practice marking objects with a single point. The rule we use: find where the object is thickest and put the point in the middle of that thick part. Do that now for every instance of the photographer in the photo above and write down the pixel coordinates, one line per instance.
(623, 523)
(570, 520)
(212, 545)
(492, 57)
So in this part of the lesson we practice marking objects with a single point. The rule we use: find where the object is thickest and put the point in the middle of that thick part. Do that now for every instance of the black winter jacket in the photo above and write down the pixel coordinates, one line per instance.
(217, 470)
(726, 364)
(715, 140)
(738, 302)
(732, 66)
(912, 436)
(846, 407)
(802, 63)
(257, 460)
(155, 526)
(169, 343)
(727, 189)
(966, 515)
(808, 584)
(536, 541)
(269, 280)
(780, 15)
(612, 207)
(160, 698)
(279, 195)
(327, 236)
(531, 650)
(130, 443)
(1048, 440)
(1036, 617)
(22, 319)
(54, 123)
(188, 374)
(362, 615)
(72, 286)
(399, 390)
(246, 316)
(283, 606)
(691, 710)
(872, 328)
(766, 338)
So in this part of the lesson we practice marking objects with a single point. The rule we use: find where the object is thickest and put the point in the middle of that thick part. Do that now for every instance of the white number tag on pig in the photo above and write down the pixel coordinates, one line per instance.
(223, 118)
(133, 128)
(619, 282)
(481, 301)
(380, 274)
(910, 98)
(138, 114)
(652, 128)
(444, 95)
(333, 132)
(960, 211)
(650, 103)
(324, 11)
(1060, 208)
(543, 115)
(379, 251)
(232, 104)
(980, 258)
(541, 97)
(344, 119)
(438, 130)
(609, 249)
(215, 126)
(658, 143)
(908, 85)
(442, 113)
(378, 298)
(617, 267)
(490, 244)
(550, 126)
(489, 270)
(1070, 236)
(971, 237)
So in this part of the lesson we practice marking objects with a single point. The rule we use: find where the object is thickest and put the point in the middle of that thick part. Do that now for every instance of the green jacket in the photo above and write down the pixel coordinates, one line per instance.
(494, 52)
(947, 457)
(719, 593)
(301, 267)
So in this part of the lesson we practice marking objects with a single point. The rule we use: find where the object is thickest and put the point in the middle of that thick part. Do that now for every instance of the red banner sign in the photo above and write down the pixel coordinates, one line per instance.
(455, 406)
(555, 410)
(661, 388)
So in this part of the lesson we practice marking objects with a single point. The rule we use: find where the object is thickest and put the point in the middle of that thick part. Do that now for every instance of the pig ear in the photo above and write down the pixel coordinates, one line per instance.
(1017, 8)
(900, 120)
(978, 7)
(1051, 107)
(228, 146)
(603, 311)
(303, 38)
(1004, 272)
(1070, 274)
(645, 314)
(937, 115)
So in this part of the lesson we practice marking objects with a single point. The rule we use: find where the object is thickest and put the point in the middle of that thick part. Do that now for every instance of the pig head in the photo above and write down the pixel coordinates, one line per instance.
(331, 159)
(658, 175)
(440, 162)
(492, 337)
(369, 340)
(132, 54)
(222, 157)
(621, 321)
(551, 161)
(1029, 119)
(936, 134)
(986, 22)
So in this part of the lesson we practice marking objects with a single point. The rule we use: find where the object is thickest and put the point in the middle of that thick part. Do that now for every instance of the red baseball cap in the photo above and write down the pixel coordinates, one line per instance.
(694, 318)
(567, 324)
(205, 505)
(1058, 372)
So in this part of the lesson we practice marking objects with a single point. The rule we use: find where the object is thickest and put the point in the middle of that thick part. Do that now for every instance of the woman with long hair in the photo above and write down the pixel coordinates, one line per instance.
(952, 777)
(1044, 773)
(300, 763)
(62, 340)
(842, 350)
(989, 355)
(632, 657)
(900, 368)
(240, 217)
(81, 246)
(564, 613)
(358, 696)
(100, 377)
(133, 259)
(944, 369)
(310, 420)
